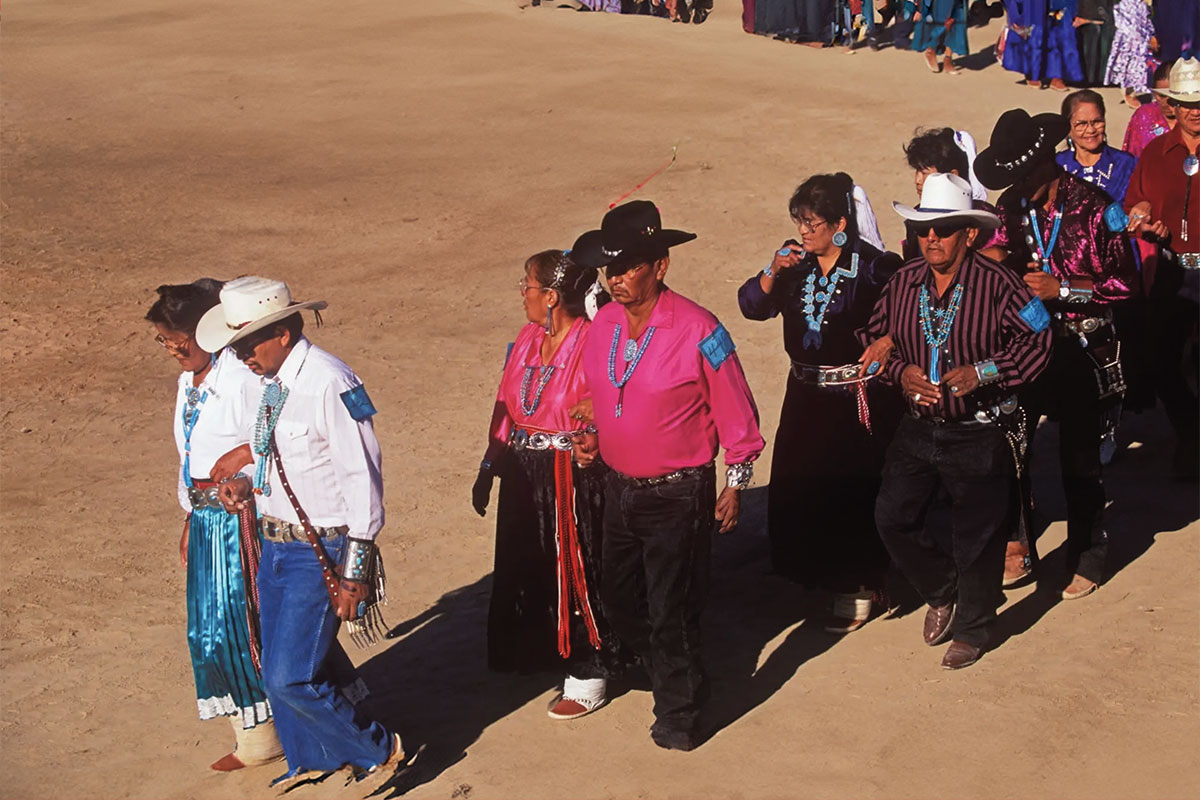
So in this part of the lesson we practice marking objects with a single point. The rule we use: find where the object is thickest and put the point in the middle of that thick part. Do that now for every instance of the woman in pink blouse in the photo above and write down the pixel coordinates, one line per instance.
(1152, 119)
(545, 610)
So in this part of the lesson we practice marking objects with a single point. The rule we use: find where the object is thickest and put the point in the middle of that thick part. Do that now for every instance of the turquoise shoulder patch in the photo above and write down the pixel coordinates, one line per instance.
(1035, 315)
(358, 403)
(717, 346)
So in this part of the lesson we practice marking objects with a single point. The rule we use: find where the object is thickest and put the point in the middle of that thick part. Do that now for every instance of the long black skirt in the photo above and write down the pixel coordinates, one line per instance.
(523, 615)
(797, 20)
(825, 476)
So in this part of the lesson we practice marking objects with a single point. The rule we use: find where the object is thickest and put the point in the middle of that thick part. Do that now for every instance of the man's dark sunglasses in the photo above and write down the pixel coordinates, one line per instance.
(244, 348)
(944, 231)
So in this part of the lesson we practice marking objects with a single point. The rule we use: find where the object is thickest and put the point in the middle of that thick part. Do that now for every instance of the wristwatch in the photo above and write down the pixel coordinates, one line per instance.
(1064, 289)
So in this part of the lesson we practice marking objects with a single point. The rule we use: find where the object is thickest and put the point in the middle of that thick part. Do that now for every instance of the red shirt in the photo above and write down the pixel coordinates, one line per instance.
(1158, 179)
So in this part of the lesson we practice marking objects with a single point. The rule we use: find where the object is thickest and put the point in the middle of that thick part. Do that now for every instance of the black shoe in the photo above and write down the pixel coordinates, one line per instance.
(671, 739)
(699, 15)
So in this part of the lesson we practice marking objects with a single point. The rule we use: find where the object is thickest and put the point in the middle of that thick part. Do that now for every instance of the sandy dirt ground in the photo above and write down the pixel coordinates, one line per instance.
(400, 160)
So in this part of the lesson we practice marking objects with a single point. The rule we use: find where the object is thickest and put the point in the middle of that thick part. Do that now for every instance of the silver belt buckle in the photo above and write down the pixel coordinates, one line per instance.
(1089, 325)
(519, 439)
(195, 497)
(561, 441)
(539, 441)
(212, 497)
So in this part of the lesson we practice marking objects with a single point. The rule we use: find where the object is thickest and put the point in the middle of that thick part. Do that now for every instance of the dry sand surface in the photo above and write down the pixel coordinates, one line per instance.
(401, 159)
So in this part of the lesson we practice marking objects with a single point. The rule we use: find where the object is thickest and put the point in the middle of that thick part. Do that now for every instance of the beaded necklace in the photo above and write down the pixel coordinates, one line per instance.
(544, 372)
(1044, 248)
(191, 415)
(269, 409)
(633, 355)
(945, 321)
(814, 299)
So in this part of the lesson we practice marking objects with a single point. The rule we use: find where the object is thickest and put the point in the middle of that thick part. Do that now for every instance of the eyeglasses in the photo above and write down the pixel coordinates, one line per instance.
(172, 345)
(614, 271)
(524, 286)
(244, 348)
(943, 231)
(1083, 124)
(809, 224)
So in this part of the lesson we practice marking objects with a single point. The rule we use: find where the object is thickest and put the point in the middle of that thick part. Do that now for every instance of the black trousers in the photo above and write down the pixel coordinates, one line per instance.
(1174, 319)
(973, 465)
(657, 549)
(1067, 393)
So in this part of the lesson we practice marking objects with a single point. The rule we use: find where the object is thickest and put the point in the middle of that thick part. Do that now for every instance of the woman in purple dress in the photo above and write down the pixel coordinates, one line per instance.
(1127, 61)
(1041, 42)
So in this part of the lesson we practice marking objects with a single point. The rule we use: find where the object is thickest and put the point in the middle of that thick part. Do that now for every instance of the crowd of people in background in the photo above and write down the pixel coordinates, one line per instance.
(1050, 43)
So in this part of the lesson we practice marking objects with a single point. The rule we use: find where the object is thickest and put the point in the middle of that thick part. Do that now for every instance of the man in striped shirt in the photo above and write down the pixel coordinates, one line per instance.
(967, 333)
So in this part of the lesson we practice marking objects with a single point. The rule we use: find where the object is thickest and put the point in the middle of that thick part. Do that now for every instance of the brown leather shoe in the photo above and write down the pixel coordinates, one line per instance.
(1080, 587)
(961, 654)
(937, 623)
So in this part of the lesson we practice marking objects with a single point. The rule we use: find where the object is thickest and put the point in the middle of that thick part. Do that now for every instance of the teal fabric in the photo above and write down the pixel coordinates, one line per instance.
(930, 32)
(218, 637)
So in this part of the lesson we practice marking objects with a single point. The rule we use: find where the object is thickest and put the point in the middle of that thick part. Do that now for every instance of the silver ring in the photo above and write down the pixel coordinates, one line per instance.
(917, 396)
(953, 390)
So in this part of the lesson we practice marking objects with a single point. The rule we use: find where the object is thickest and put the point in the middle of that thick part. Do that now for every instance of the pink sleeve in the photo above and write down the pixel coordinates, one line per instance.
(733, 410)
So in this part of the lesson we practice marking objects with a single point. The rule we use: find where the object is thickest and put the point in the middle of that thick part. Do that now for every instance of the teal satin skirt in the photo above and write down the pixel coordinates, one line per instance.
(226, 683)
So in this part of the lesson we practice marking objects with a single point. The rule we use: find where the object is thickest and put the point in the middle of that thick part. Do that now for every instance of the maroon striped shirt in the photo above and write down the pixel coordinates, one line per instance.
(998, 319)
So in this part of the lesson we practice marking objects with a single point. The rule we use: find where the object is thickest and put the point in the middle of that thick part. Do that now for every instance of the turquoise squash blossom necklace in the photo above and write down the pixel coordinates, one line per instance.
(936, 339)
(821, 298)
(269, 409)
(633, 356)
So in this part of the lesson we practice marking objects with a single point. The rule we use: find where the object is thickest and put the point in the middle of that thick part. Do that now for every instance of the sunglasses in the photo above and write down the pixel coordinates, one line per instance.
(244, 348)
(621, 270)
(1192, 106)
(943, 230)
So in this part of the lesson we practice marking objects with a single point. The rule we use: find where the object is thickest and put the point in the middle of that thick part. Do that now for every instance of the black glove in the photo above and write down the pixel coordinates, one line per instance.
(481, 492)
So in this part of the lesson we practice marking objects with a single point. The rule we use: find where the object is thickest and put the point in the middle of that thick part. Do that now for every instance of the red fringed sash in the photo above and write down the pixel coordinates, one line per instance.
(572, 581)
(864, 411)
(251, 550)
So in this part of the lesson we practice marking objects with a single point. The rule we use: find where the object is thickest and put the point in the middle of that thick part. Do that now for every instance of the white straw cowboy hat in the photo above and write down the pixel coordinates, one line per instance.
(1183, 83)
(946, 197)
(247, 305)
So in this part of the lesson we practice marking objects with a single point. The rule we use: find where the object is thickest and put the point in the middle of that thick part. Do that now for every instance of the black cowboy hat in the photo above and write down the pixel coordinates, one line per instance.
(1019, 143)
(627, 231)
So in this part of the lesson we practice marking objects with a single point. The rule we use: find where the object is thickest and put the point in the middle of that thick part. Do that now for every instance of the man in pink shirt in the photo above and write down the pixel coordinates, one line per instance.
(667, 391)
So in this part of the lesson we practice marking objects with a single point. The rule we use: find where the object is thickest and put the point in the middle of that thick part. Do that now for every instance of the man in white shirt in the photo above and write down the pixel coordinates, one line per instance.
(317, 465)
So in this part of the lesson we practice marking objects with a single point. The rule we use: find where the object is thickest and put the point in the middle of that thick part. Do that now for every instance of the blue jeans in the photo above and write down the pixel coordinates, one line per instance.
(316, 724)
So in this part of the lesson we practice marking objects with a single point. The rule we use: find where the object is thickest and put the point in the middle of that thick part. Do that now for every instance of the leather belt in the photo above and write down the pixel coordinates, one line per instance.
(673, 477)
(1188, 260)
(1082, 325)
(967, 422)
(279, 531)
(827, 376)
(203, 494)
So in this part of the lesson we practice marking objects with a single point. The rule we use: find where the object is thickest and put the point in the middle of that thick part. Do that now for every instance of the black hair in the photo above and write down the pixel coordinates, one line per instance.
(294, 323)
(1075, 99)
(1162, 72)
(937, 148)
(830, 197)
(575, 281)
(179, 307)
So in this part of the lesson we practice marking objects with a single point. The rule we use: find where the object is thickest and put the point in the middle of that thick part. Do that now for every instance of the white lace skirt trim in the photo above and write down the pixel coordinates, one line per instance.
(211, 707)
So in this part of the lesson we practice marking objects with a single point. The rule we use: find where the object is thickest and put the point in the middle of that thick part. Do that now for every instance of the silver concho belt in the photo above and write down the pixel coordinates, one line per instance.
(203, 498)
(521, 439)
(827, 376)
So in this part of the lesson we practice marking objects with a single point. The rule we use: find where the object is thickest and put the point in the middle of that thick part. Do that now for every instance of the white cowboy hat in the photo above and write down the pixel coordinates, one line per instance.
(1184, 81)
(946, 196)
(247, 305)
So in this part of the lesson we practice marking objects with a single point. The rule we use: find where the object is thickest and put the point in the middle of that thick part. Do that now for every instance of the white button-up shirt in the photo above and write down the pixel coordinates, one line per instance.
(332, 462)
(226, 416)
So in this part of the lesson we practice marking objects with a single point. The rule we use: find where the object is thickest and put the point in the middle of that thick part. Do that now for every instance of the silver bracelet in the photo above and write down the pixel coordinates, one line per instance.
(356, 563)
(737, 476)
(485, 465)
(987, 371)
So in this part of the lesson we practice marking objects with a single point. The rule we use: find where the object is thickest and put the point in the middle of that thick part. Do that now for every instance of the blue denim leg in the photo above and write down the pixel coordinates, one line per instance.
(316, 723)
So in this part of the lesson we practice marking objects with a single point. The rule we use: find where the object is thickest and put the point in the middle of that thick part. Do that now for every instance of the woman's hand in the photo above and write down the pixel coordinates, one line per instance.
(876, 356)
(917, 388)
(587, 445)
(183, 539)
(787, 256)
(582, 411)
(729, 504)
(481, 492)
(229, 464)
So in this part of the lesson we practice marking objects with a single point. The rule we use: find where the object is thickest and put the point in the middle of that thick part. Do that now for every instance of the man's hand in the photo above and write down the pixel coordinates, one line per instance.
(229, 464)
(235, 494)
(917, 388)
(350, 594)
(183, 539)
(961, 380)
(1043, 284)
(582, 411)
(587, 445)
(481, 492)
(876, 356)
(729, 503)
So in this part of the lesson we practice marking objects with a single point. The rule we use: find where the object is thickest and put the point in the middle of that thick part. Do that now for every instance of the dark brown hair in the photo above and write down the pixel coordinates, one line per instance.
(179, 307)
